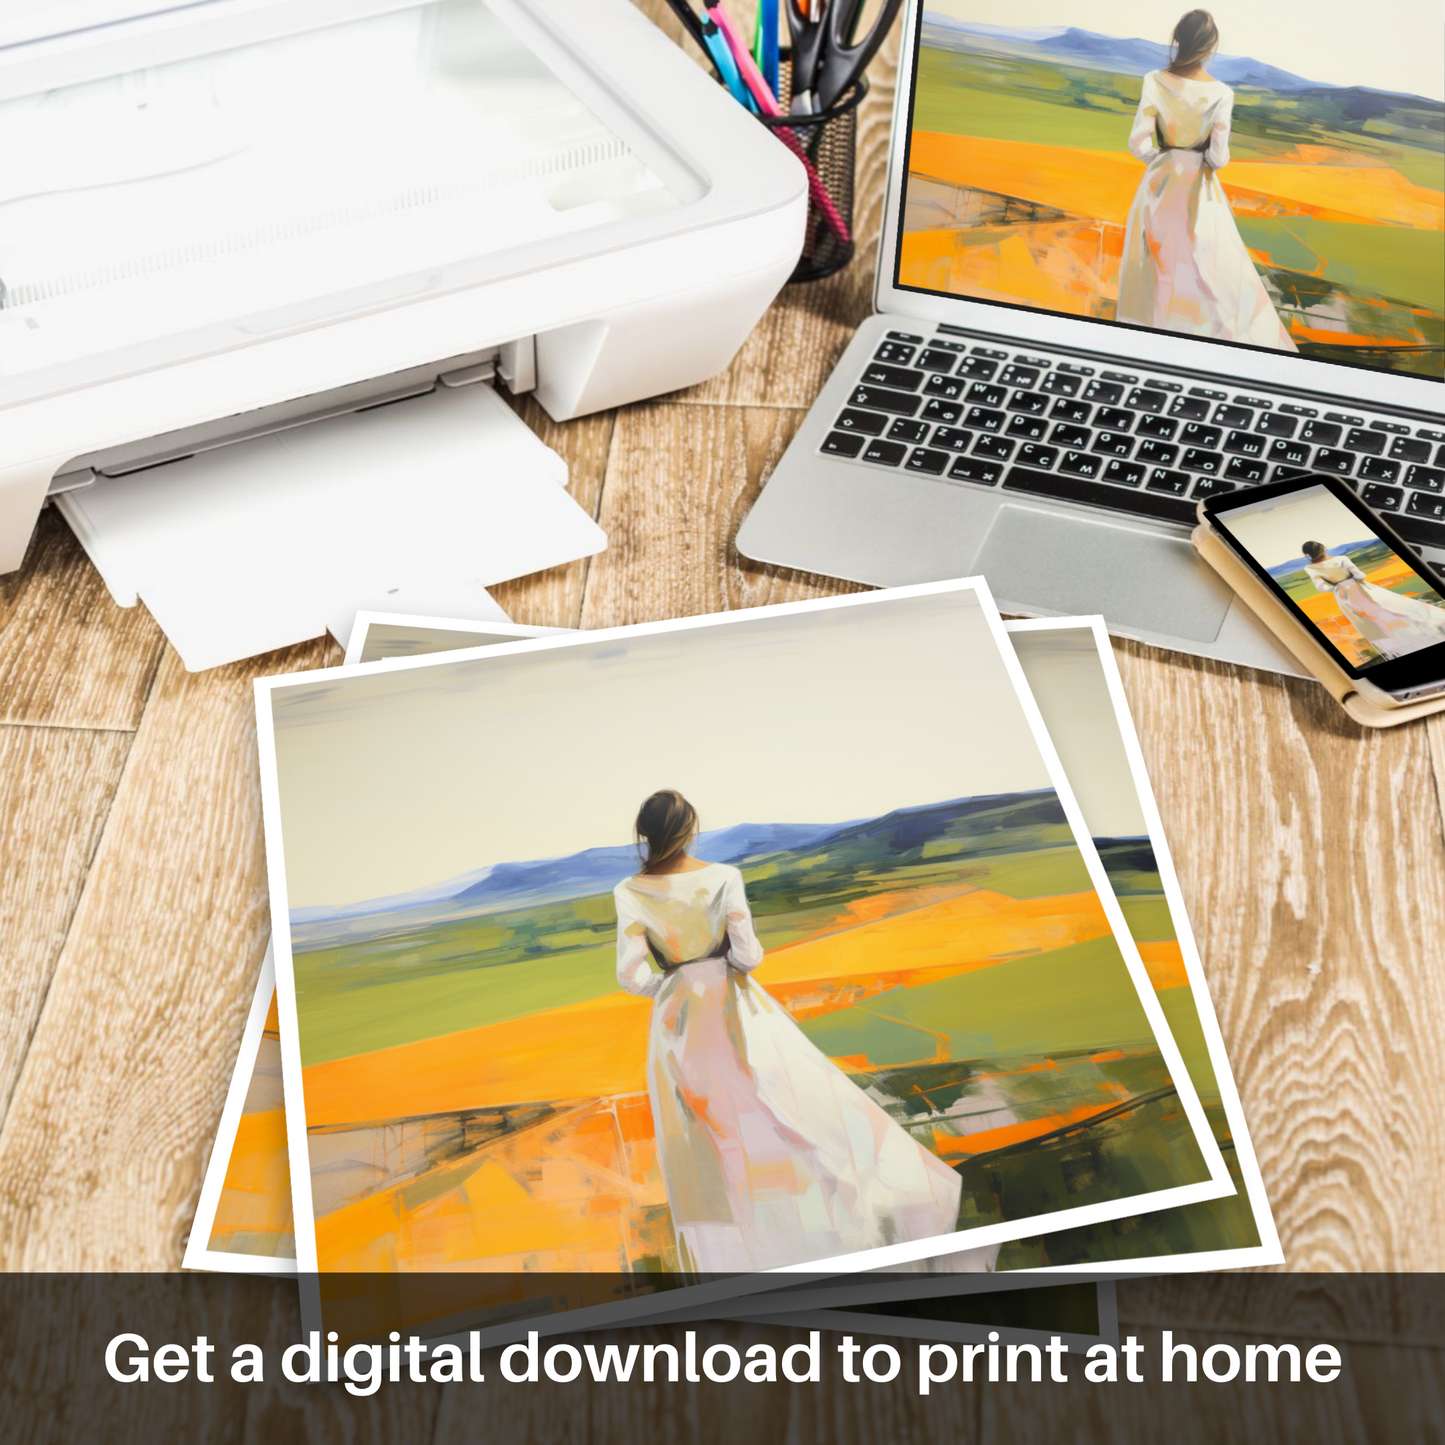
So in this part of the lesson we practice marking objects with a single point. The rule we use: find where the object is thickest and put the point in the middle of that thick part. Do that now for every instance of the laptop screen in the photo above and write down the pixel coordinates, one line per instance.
(1269, 175)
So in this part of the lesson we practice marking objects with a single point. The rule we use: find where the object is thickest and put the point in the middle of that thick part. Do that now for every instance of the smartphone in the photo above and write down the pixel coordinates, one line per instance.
(1343, 573)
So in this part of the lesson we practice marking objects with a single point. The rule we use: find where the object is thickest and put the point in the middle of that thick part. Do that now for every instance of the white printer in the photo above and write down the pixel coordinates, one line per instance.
(221, 221)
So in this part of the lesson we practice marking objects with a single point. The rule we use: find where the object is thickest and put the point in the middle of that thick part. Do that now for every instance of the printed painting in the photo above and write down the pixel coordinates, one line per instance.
(895, 1007)
(1272, 175)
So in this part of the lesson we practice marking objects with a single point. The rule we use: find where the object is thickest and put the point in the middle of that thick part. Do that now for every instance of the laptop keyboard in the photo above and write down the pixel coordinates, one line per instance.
(1140, 444)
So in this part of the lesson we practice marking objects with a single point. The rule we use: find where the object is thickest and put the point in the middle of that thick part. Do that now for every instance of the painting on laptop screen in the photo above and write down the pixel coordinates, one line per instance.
(1267, 175)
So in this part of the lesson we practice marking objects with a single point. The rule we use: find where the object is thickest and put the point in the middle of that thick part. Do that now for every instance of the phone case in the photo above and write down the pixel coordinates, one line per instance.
(1261, 601)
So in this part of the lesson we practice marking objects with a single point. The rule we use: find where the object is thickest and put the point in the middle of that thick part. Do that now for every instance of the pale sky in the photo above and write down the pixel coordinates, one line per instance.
(1390, 44)
(1274, 531)
(1068, 683)
(393, 780)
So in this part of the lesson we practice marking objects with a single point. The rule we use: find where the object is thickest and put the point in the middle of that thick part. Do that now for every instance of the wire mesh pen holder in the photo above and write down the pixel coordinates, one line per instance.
(827, 144)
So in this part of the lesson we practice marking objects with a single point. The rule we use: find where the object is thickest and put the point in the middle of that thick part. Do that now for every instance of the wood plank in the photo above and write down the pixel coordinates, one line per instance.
(679, 482)
(554, 598)
(115, 1109)
(1314, 872)
(797, 343)
(69, 657)
(1380, 1391)
(56, 786)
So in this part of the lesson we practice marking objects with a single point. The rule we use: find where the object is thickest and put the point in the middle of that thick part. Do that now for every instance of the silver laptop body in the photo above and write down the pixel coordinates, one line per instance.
(1052, 542)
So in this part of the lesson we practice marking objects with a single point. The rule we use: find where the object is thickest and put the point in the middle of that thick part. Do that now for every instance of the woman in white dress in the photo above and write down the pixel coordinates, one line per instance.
(1185, 266)
(1390, 622)
(770, 1154)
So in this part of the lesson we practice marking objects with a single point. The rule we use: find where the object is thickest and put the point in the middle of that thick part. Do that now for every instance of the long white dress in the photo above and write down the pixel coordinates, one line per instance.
(770, 1154)
(1185, 266)
(1391, 622)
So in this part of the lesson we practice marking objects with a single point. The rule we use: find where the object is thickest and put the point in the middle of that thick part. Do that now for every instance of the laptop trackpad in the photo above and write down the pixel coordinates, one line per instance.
(1043, 560)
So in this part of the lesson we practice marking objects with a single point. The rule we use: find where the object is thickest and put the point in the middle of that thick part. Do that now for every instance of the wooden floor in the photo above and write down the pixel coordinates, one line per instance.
(133, 905)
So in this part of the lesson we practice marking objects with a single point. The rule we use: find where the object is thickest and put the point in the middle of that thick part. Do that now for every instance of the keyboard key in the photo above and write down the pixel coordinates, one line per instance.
(1113, 418)
(1377, 469)
(886, 454)
(1257, 401)
(1395, 427)
(936, 410)
(1407, 449)
(1294, 410)
(1425, 504)
(1211, 487)
(1430, 434)
(934, 359)
(1142, 398)
(1245, 469)
(977, 368)
(843, 444)
(944, 345)
(1059, 383)
(1127, 377)
(1208, 393)
(1035, 403)
(982, 394)
(1124, 474)
(1190, 408)
(1031, 428)
(955, 439)
(1330, 459)
(1038, 361)
(994, 447)
(1040, 457)
(1073, 488)
(1016, 375)
(1425, 479)
(876, 373)
(1089, 371)
(1196, 459)
(895, 353)
(1272, 425)
(1244, 444)
(867, 422)
(1156, 426)
(1162, 385)
(1108, 392)
(905, 336)
(1382, 499)
(1195, 435)
(1369, 442)
(1156, 454)
(906, 430)
(1066, 410)
(948, 387)
(1081, 464)
(1290, 453)
(1162, 480)
(1440, 457)
(990, 352)
(878, 398)
(1321, 433)
(933, 463)
(1243, 416)
(1418, 530)
(1112, 444)
(974, 469)
(1070, 436)
(981, 419)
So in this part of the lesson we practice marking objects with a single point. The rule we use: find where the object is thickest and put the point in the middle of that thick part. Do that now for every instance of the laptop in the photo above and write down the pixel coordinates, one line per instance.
(1080, 332)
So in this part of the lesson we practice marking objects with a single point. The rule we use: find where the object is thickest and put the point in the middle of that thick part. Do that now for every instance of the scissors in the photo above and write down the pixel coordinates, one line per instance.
(827, 54)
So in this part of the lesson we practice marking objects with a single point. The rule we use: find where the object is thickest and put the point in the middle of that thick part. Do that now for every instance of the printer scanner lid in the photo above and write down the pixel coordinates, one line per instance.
(183, 179)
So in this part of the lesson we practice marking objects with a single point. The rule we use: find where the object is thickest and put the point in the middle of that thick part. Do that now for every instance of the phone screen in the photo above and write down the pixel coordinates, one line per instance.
(1353, 588)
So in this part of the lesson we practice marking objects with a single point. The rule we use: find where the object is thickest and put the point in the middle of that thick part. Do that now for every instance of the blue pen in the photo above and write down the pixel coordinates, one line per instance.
(768, 31)
(727, 67)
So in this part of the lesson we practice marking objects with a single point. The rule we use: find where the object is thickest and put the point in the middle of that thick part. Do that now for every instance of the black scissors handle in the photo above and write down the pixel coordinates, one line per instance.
(827, 54)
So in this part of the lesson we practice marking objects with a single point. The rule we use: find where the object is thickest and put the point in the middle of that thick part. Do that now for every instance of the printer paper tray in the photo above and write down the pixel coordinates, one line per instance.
(417, 506)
